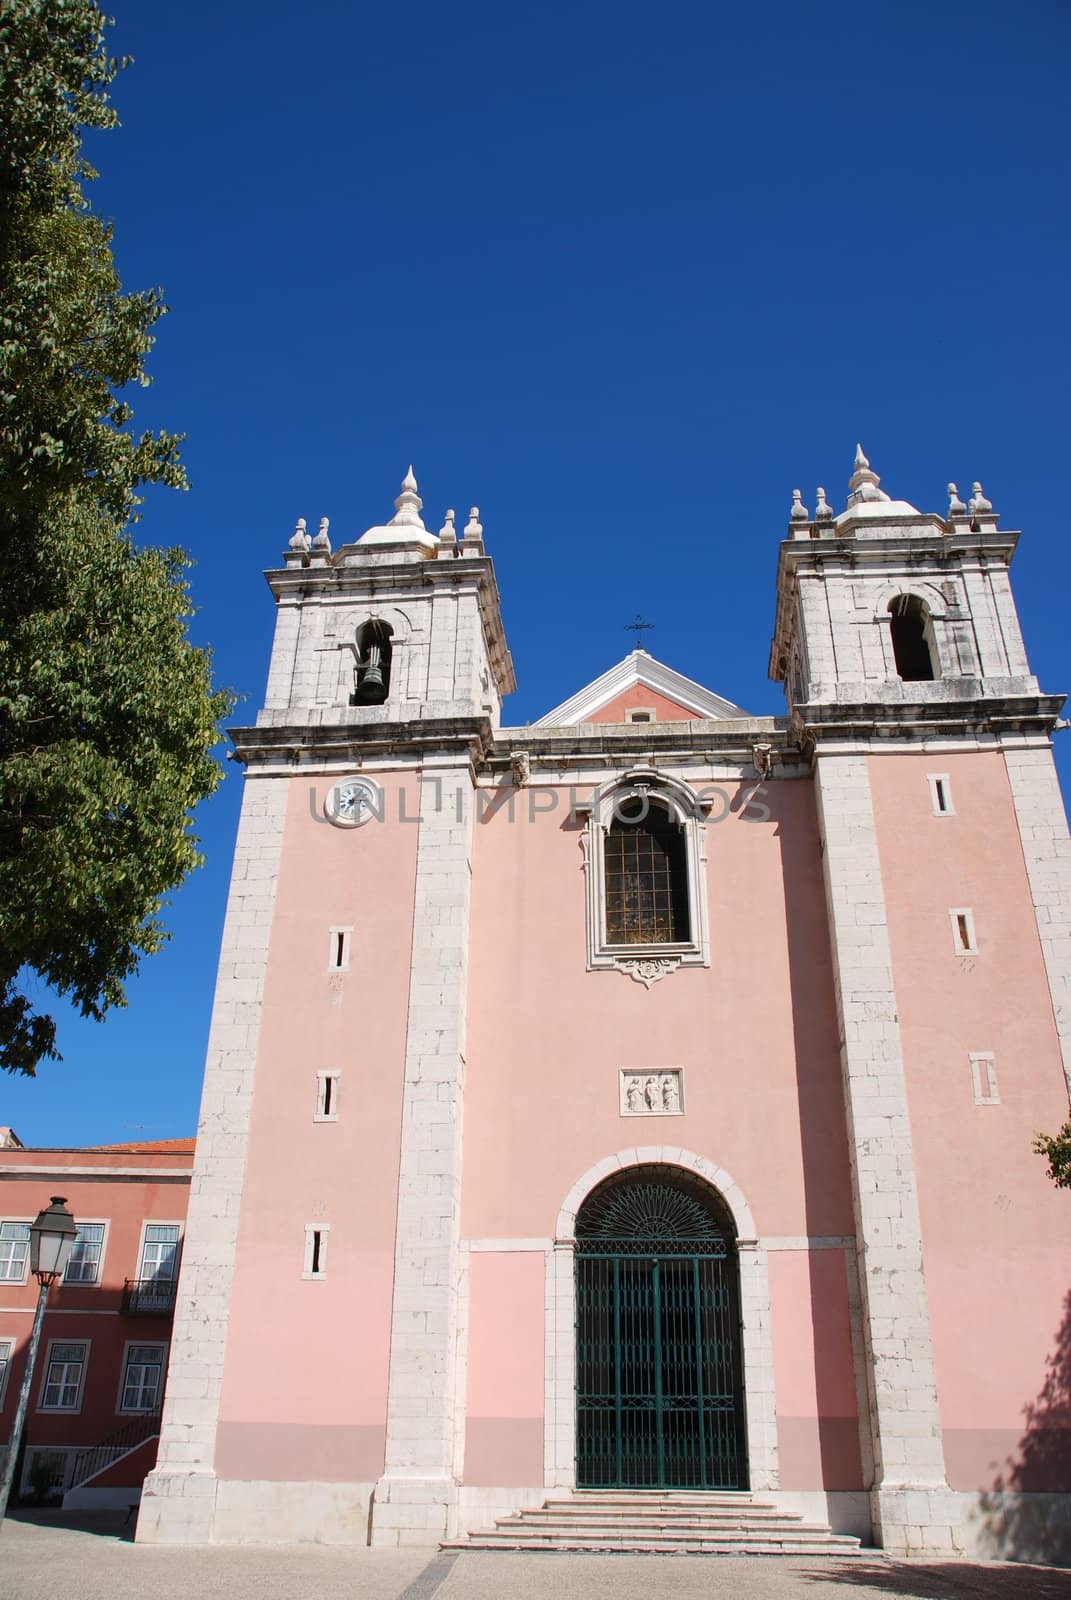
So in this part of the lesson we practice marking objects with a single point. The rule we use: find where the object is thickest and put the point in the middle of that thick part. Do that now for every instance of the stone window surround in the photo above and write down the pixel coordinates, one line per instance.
(322, 1078)
(945, 792)
(140, 1344)
(560, 1301)
(323, 1229)
(984, 1085)
(46, 1370)
(20, 1222)
(98, 1270)
(689, 812)
(963, 930)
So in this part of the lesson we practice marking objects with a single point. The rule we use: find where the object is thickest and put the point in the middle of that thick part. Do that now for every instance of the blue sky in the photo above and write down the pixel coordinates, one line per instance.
(624, 276)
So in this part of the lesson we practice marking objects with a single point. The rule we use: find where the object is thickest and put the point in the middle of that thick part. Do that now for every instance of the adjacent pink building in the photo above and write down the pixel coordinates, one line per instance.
(94, 1418)
(637, 1104)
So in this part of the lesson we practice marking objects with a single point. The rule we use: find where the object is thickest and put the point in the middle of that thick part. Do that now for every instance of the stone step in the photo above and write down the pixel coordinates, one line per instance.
(667, 1522)
(729, 1544)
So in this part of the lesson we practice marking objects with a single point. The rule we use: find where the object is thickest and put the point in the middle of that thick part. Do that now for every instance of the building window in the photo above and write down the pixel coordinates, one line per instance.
(646, 875)
(327, 1085)
(641, 714)
(142, 1377)
(316, 1249)
(65, 1373)
(912, 639)
(338, 949)
(645, 862)
(984, 1078)
(940, 794)
(159, 1252)
(14, 1251)
(963, 939)
(84, 1263)
(7, 1350)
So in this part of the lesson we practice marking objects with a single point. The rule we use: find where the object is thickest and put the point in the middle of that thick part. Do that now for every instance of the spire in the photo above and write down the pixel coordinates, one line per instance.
(863, 483)
(408, 505)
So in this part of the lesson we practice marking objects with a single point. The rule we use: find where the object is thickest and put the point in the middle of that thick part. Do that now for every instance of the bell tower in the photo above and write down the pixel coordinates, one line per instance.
(332, 1110)
(898, 644)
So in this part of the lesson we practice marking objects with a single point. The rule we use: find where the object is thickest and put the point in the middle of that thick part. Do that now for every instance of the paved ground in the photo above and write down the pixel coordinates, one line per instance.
(42, 1560)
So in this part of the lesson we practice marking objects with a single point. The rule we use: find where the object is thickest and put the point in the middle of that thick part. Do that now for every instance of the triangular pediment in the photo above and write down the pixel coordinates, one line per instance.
(619, 694)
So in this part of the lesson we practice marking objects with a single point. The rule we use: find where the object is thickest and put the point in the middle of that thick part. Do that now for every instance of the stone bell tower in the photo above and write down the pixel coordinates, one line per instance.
(898, 643)
(331, 1118)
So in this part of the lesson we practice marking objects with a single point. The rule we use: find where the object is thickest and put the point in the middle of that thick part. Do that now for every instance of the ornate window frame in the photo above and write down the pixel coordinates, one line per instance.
(646, 963)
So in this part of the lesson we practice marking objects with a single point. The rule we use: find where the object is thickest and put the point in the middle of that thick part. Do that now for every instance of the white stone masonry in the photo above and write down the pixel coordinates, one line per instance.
(911, 1506)
(1042, 820)
(178, 1501)
(416, 1497)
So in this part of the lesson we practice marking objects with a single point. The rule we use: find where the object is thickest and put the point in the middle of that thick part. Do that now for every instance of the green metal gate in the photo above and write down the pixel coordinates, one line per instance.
(658, 1370)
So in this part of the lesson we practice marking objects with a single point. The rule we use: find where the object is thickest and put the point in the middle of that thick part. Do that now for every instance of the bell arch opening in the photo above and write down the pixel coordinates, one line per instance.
(660, 1399)
(912, 639)
(371, 677)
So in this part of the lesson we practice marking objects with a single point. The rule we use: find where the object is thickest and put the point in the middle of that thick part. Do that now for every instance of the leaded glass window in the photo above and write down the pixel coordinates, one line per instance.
(646, 879)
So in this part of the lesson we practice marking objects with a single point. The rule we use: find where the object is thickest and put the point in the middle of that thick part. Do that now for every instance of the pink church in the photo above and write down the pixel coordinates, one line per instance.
(618, 1129)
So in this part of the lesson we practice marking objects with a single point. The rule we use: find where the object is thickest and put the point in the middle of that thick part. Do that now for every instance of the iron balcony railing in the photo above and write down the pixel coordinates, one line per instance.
(149, 1297)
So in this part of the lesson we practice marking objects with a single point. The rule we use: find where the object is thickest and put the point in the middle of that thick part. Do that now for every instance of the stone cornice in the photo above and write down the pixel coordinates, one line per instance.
(816, 724)
(469, 738)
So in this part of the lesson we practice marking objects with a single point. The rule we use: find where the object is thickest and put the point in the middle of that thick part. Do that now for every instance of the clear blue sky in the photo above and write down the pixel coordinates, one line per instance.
(625, 276)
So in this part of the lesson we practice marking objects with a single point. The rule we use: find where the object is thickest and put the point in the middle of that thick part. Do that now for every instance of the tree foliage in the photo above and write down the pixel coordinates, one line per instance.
(107, 712)
(1057, 1148)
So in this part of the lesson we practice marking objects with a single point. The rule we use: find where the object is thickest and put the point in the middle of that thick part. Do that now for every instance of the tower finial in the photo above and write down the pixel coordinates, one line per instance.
(823, 511)
(956, 508)
(978, 502)
(299, 539)
(863, 483)
(799, 512)
(408, 505)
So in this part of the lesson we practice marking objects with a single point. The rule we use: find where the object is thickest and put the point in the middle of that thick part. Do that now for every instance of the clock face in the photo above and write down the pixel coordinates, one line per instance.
(353, 802)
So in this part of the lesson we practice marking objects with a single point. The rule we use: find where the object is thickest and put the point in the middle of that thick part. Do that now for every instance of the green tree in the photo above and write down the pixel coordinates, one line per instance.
(1057, 1147)
(107, 712)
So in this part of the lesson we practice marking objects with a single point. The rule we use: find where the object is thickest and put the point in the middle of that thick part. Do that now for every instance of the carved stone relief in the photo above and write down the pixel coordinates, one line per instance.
(658, 1093)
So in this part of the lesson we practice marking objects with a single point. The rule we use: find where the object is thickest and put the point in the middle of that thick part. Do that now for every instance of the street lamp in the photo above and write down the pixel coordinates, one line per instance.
(52, 1236)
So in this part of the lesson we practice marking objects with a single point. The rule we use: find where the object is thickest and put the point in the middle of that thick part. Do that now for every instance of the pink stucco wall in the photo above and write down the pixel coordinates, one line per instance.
(994, 1229)
(666, 710)
(504, 1410)
(817, 1417)
(304, 1390)
(755, 1033)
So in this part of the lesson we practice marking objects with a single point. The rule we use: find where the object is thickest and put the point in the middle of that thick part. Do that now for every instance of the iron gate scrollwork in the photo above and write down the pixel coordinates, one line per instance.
(659, 1402)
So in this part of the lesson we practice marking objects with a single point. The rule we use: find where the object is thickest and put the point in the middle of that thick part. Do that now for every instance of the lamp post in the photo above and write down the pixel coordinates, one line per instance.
(52, 1236)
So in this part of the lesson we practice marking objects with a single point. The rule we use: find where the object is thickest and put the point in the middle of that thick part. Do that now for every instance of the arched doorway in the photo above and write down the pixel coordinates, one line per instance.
(659, 1390)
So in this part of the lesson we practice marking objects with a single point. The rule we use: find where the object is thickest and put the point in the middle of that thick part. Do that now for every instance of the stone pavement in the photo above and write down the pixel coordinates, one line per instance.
(42, 1558)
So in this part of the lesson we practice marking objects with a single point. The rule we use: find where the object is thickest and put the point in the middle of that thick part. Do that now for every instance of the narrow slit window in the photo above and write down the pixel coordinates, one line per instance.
(315, 1250)
(339, 949)
(940, 794)
(984, 1079)
(962, 919)
(327, 1096)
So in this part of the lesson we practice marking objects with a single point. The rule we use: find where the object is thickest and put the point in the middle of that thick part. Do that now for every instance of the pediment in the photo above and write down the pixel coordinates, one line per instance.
(635, 684)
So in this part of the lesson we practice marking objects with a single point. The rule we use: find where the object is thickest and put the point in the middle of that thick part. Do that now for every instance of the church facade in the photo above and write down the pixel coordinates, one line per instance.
(642, 1099)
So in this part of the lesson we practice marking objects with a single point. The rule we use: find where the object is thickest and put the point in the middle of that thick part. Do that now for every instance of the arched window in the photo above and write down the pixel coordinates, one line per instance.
(912, 639)
(646, 868)
(371, 678)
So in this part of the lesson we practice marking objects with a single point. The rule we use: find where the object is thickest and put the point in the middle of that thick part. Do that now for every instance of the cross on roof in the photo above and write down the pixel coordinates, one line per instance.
(638, 626)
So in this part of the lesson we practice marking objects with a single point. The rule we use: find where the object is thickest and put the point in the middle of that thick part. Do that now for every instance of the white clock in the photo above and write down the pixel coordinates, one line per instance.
(352, 802)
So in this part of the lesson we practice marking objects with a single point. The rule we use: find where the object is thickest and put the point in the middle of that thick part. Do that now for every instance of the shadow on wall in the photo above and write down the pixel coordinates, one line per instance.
(959, 1580)
(1026, 1516)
